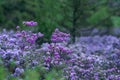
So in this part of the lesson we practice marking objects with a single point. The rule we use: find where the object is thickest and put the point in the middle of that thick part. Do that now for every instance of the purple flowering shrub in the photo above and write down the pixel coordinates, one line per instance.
(56, 52)
(95, 58)
(89, 58)
(19, 51)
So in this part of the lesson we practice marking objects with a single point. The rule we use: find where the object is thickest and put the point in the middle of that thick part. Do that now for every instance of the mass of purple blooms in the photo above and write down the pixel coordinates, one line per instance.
(89, 58)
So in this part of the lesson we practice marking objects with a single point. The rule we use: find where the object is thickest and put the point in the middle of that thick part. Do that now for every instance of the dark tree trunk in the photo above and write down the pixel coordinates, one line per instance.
(75, 10)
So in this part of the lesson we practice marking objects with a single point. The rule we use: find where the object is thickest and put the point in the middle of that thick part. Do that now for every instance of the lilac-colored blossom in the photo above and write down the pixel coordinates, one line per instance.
(30, 23)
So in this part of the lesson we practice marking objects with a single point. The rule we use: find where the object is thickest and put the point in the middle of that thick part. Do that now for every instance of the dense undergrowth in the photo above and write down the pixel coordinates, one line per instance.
(89, 58)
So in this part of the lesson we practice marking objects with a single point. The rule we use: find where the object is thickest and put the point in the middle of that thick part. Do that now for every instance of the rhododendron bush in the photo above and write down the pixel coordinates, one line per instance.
(89, 58)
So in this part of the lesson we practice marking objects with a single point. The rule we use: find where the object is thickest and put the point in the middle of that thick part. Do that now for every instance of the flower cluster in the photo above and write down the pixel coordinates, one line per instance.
(56, 52)
(30, 23)
(94, 58)
(29, 36)
(18, 50)
(59, 36)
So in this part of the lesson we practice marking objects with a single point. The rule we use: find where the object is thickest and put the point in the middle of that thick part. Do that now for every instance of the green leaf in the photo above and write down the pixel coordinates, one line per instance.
(116, 21)
(31, 74)
(98, 16)
(2, 73)
(54, 75)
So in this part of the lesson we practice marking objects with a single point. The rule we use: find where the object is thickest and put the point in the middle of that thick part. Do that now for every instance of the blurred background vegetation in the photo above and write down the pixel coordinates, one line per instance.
(78, 17)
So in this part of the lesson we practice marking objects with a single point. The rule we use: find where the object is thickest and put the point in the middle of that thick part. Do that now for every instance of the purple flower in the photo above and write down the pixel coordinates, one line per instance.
(40, 34)
(48, 59)
(17, 27)
(56, 55)
(59, 36)
(30, 23)
(31, 40)
(18, 71)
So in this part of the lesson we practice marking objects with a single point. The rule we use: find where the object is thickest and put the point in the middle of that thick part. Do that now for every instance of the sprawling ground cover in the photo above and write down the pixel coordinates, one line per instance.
(89, 58)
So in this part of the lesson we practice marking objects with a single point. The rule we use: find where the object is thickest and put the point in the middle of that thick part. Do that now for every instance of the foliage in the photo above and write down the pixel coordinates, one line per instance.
(72, 15)
(56, 75)
(99, 15)
(116, 21)
(2, 71)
